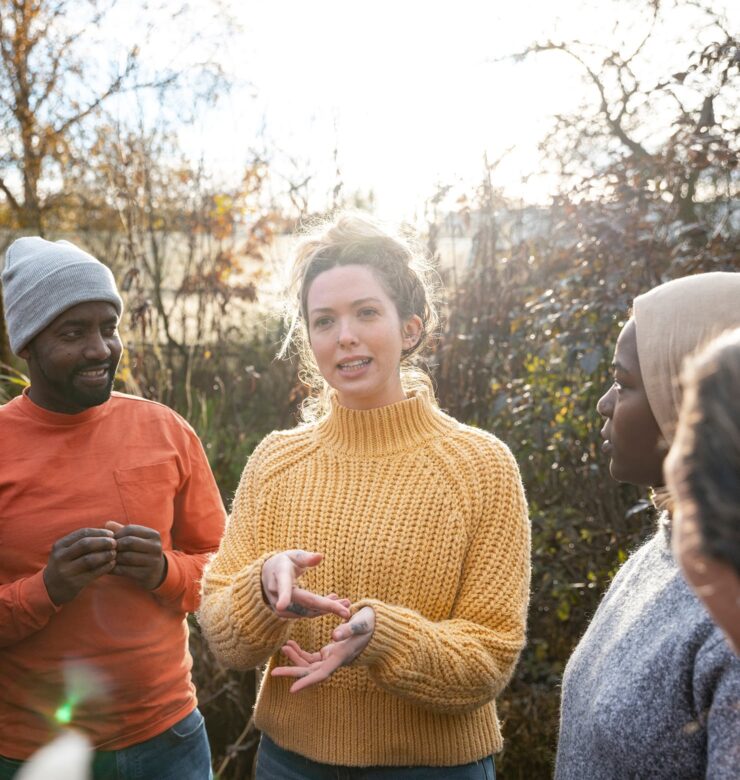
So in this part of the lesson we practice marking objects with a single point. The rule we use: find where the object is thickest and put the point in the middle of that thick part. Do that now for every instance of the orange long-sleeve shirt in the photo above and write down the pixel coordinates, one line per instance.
(114, 661)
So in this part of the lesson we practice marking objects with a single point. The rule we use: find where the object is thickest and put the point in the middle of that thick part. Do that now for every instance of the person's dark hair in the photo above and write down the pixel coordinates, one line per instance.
(706, 460)
(353, 238)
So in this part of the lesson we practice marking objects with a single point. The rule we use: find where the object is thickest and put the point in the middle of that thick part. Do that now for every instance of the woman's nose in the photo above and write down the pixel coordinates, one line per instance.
(605, 405)
(346, 336)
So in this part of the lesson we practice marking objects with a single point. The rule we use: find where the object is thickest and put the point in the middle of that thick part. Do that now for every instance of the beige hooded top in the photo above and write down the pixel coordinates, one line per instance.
(673, 321)
(650, 691)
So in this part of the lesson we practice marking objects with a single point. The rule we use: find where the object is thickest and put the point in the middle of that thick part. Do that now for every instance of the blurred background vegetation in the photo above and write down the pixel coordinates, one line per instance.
(536, 294)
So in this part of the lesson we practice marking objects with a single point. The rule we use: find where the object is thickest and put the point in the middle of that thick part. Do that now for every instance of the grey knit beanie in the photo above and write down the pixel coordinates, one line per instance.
(42, 279)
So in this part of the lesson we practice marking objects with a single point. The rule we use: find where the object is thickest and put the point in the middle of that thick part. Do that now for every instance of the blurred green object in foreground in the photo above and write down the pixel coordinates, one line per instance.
(64, 713)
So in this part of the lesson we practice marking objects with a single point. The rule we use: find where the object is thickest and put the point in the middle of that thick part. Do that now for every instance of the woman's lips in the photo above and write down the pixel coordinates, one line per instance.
(355, 366)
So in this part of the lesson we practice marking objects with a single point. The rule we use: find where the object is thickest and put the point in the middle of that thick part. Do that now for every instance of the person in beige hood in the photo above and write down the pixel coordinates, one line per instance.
(652, 688)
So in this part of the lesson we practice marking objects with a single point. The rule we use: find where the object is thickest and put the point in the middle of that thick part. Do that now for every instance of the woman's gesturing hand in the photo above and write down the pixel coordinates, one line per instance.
(279, 576)
(349, 640)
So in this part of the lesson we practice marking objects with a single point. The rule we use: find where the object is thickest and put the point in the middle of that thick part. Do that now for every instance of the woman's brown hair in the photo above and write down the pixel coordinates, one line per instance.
(705, 468)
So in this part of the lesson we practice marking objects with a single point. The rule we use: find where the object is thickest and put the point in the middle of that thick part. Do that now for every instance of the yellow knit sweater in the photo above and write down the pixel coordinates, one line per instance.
(418, 516)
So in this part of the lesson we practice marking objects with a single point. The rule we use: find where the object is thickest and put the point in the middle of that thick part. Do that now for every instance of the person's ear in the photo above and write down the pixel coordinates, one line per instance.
(25, 353)
(411, 331)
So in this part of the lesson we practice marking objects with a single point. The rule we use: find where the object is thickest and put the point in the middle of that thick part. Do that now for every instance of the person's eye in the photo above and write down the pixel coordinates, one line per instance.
(368, 312)
(111, 331)
(322, 322)
(71, 335)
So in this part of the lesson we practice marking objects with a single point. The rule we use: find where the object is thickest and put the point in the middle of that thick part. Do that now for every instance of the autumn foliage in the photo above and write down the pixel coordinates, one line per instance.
(529, 327)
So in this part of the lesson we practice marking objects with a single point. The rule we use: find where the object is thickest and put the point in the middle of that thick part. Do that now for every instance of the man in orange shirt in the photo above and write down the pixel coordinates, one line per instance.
(108, 511)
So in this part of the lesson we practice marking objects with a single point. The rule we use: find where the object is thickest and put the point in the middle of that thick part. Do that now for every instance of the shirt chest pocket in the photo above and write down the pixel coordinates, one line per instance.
(148, 494)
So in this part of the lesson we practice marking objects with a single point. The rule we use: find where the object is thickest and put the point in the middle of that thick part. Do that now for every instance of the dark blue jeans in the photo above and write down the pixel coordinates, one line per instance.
(275, 763)
(180, 753)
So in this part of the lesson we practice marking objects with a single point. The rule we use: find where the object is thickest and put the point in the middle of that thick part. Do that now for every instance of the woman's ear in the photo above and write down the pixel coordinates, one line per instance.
(411, 331)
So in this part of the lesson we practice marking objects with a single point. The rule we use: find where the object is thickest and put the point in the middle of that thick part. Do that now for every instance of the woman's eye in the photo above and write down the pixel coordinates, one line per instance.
(322, 322)
(368, 312)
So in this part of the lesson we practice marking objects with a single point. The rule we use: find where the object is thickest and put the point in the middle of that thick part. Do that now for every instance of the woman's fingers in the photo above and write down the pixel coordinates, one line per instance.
(313, 668)
(311, 674)
(301, 659)
(319, 672)
(304, 559)
(318, 605)
(280, 573)
(306, 604)
(279, 576)
(298, 655)
(361, 623)
(342, 632)
(284, 583)
(299, 666)
(290, 671)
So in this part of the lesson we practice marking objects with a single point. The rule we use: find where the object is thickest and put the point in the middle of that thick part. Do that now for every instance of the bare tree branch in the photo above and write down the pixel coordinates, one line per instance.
(614, 122)
(9, 196)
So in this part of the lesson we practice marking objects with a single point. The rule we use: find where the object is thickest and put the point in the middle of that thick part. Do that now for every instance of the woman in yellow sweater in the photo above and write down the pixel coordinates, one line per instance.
(377, 556)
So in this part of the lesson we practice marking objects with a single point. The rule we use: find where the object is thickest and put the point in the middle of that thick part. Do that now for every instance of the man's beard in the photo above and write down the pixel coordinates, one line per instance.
(85, 398)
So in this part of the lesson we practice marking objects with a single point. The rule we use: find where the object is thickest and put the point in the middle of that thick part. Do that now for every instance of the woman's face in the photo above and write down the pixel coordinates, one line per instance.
(632, 438)
(357, 336)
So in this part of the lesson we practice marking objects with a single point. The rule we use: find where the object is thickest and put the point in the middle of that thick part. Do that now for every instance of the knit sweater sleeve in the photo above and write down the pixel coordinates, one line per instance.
(241, 630)
(717, 693)
(461, 663)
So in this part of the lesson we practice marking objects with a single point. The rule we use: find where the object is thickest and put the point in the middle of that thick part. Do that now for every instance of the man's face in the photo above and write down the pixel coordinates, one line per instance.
(73, 361)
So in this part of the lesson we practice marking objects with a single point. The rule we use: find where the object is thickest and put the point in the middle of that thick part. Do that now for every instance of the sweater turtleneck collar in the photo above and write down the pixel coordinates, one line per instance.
(393, 428)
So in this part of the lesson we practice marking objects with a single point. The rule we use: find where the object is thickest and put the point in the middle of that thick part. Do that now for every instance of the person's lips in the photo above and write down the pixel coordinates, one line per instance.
(353, 365)
(606, 446)
(94, 375)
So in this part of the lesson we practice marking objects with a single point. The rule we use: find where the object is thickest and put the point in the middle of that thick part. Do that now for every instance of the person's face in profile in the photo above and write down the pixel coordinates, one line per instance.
(632, 437)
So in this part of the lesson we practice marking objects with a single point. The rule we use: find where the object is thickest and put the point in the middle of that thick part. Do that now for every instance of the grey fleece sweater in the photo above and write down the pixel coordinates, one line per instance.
(652, 690)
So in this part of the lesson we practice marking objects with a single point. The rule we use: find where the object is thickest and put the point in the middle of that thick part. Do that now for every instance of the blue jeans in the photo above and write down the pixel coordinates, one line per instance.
(275, 763)
(180, 753)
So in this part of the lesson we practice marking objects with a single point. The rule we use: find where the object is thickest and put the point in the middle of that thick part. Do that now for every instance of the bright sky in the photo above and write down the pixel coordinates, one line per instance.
(406, 90)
